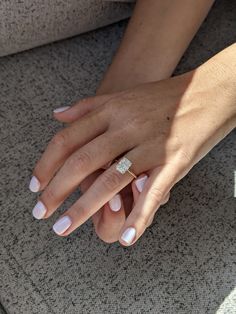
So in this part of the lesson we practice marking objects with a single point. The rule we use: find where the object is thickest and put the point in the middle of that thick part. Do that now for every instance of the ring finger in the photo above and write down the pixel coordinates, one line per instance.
(105, 187)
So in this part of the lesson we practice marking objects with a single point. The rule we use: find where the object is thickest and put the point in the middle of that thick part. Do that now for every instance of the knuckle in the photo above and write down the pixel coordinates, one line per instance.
(150, 221)
(111, 104)
(38, 170)
(142, 220)
(111, 107)
(80, 211)
(111, 180)
(183, 158)
(156, 194)
(166, 199)
(49, 195)
(80, 161)
(60, 139)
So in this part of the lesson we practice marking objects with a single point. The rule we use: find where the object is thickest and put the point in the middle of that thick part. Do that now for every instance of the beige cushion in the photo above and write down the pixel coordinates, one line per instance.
(29, 23)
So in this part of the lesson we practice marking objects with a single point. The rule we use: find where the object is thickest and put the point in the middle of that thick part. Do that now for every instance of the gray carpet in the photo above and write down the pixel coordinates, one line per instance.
(2, 311)
(184, 264)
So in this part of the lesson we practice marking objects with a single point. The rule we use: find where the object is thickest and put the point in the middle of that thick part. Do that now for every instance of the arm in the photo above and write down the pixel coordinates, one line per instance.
(156, 37)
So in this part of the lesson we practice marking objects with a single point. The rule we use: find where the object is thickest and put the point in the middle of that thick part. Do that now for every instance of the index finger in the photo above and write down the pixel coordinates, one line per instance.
(63, 144)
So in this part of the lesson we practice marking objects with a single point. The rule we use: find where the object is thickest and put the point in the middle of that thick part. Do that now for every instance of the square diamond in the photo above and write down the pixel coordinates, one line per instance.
(123, 165)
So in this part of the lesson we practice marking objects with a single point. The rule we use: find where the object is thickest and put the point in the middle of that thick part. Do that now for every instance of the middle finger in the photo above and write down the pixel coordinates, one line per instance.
(100, 192)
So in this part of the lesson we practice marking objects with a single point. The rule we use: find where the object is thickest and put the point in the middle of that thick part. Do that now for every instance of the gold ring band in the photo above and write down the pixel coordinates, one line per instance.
(134, 175)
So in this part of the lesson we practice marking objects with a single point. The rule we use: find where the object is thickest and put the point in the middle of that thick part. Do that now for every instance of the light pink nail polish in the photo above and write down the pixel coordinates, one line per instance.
(115, 203)
(39, 210)
(61, 109)
(140, 183)
(129, 235)
(62, 225)
(34, 185)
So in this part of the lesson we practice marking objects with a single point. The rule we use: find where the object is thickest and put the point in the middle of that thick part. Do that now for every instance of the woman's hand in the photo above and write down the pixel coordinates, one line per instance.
(143, 57)
(109, 220)
(165, 127)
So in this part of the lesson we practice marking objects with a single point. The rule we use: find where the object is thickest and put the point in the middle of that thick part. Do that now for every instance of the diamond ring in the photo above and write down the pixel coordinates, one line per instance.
(124, 165)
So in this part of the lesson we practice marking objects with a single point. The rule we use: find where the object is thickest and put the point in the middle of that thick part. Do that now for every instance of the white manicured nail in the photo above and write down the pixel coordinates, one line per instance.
(34, 185)
(39, 210)
(62, 225)
(128, 235)
(115, 203)
(61, 109)
(140, 183)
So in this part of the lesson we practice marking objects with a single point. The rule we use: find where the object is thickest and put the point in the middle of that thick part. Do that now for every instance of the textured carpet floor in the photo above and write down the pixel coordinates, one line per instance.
(2, 311)
(184, 264)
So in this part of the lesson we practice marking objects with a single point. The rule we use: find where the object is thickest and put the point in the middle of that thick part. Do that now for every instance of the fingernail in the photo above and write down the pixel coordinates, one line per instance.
(62, 225)
(140, 183)
(34, 185)
(39, 210)
(115, 203)
(61, 109)
(128, 235)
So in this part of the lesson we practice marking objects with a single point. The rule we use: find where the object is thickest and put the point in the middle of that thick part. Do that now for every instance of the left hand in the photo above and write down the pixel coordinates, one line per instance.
(166, 127)
(107, 221)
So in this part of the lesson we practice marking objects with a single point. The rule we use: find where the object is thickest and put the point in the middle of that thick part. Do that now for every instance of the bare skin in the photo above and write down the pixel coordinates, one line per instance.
(156, 37)
(144, 55)
(183, 119)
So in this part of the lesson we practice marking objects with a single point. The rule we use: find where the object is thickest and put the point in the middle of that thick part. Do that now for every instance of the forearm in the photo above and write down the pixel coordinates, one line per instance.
(220, 74)
(227, 66)
(226, 69)
(156, 37)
